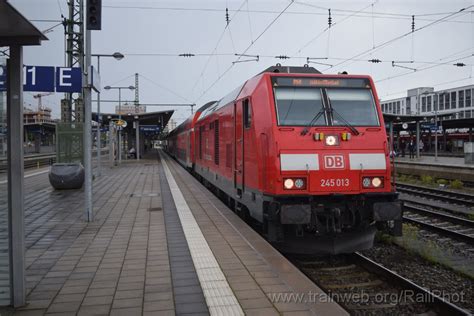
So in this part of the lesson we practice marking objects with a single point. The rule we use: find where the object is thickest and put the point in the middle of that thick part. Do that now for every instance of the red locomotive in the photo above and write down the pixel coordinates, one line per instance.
(302, 153)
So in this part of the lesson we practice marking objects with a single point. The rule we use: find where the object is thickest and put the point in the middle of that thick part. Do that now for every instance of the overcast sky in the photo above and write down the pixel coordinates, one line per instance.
(151, 35)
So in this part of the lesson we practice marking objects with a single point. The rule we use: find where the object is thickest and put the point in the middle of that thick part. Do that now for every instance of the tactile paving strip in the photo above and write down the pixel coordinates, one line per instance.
(219, 296)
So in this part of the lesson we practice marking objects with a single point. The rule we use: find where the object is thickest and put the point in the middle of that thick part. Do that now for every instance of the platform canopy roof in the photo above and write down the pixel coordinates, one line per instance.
(15, 29)
(148, 118)
(444, 119)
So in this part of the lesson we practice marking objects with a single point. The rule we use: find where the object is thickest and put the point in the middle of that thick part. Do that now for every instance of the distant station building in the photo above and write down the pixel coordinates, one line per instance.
(42, 115)
(424, 101)
(170, 126)
(39, 130)
(127, 109)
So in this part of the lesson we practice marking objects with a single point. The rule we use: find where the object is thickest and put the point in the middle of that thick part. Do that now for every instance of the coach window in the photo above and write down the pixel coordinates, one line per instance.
(461, 98)
(216, 142)
(453, 100)
(247, 114)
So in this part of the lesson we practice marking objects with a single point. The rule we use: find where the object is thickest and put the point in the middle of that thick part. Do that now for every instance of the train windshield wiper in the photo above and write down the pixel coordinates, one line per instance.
(314, 119)
(346, 123)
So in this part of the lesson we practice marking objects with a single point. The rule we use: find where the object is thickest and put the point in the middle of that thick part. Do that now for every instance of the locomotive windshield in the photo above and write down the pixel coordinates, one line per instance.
(297, 106)
(356, 106)
(344, 102)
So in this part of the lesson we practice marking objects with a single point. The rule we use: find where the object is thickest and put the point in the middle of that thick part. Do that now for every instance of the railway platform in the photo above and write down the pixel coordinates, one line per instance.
(451, 168)
(160, 244)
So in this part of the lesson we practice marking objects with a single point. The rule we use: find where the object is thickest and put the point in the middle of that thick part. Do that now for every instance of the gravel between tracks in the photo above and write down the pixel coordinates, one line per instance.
(448, 284)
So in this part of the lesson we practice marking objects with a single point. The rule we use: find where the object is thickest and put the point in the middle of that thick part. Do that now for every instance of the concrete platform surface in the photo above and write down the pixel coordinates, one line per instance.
(456, 162)
(451, 168)
(160, 244)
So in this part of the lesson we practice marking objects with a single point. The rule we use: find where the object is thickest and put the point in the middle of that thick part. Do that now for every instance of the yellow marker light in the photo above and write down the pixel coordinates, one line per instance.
(345, 136)
(288, 184)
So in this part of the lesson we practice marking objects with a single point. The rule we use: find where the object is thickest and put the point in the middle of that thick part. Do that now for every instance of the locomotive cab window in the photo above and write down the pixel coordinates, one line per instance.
(324, 102)
(298, 106)
(247, 114)
(355, 106)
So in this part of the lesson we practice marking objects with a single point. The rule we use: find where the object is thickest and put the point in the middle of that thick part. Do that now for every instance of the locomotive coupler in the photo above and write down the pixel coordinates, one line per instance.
(390, 213)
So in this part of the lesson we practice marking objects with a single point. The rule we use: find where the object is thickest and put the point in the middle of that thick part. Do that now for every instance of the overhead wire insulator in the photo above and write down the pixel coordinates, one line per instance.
(459, 64)
(375, 61)
(186, 55)
(329, 19)
(412, 23)
(282, 57)
(227, 19)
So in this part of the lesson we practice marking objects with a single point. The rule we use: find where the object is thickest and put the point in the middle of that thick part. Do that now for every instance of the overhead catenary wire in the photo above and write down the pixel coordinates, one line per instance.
(424, 68)
(215, 48)
(390, 41)
(434, 85)
(165, 88)
(60, 8)
(120, 80)
(250, 22)
(279, 56)
(245, 51)
(382, 15)
(325, 29)
(52, 28)
(342, 59)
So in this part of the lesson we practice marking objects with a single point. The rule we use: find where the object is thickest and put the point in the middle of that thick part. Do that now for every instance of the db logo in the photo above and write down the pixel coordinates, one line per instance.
(334, 162)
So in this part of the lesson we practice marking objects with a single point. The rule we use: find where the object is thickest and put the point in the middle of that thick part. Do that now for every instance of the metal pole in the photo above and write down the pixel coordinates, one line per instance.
(137, 150)
(111, 144)
(99, 142)
(16, 215)
(391, 137)
(89, 216)
(120, 128)
(436, 127)
(417, 139)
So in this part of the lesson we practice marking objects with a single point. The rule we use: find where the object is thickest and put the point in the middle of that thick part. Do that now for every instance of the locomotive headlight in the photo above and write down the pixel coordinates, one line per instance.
(366, 182)
(376, 182)
(331, 140)
(299, 183)
(288, 184)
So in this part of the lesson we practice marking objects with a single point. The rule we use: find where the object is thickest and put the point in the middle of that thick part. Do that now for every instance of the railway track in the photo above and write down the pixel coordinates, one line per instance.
(32, 161)
(39, 160)
(365, 287)
(438, 216)
(455, 227)
(457, 198)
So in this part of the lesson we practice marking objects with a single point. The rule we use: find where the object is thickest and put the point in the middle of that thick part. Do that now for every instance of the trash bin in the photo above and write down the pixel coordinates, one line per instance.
(63, 176)
(469, 153)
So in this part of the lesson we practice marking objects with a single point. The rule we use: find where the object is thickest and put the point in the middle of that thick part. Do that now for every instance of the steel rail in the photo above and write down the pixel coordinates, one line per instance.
(440, 230)
(438, 303)
(447, 217)
(450, 196)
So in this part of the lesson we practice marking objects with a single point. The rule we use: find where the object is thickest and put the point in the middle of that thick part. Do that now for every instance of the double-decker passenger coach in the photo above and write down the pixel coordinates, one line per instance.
(302, 153)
